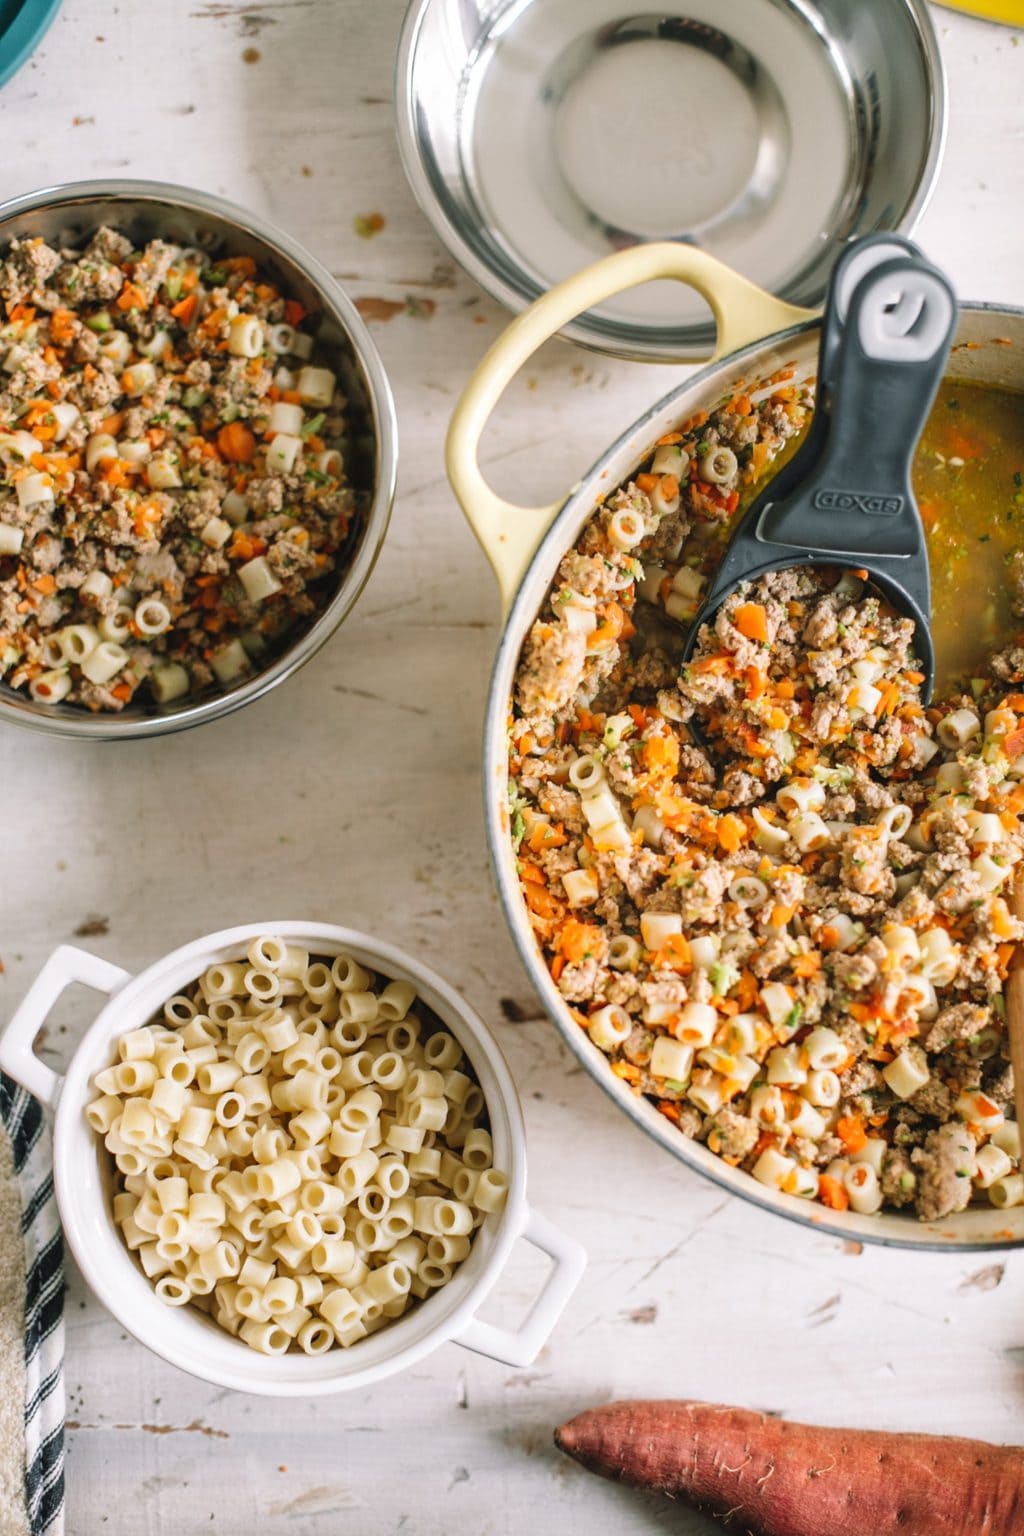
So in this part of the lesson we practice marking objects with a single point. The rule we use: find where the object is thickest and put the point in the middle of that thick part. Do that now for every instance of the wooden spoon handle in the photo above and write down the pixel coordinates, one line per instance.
(1015, 1004)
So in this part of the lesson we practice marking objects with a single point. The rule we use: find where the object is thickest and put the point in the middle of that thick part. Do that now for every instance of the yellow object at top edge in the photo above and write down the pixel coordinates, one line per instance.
(1009, 12)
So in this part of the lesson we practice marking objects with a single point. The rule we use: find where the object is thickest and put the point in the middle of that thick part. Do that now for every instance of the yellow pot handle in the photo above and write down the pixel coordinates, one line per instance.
(743, 313)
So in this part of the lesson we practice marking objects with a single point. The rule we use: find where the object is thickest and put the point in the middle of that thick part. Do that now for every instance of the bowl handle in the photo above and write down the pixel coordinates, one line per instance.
(743, 313)
(522, 1345)
(65, 966)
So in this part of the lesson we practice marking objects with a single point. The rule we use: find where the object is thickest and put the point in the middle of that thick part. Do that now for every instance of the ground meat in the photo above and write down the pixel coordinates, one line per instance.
(663, 989)
(580, 983)
(777, 811)
(899, 1181)
(550, 670)
(962, 1021)
(733, 1135)
(945, 1166)
(934, 1099)
(638, 1045)
(623, 988)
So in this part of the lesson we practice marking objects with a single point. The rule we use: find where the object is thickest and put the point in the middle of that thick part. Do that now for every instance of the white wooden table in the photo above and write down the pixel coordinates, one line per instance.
(363, 769)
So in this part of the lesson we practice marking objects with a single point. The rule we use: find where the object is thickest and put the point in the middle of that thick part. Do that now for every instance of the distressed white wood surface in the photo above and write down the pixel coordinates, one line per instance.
(351, 794)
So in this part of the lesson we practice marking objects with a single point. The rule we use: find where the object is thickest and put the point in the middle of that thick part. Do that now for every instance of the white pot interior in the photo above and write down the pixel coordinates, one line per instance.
(989, 349)
(83, 1177)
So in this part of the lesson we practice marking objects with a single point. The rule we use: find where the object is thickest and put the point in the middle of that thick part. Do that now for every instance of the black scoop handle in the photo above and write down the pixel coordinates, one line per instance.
(853, 263)
(857, 499)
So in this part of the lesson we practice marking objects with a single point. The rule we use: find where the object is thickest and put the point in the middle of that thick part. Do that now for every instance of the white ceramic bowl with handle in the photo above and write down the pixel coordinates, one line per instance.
(186, 1337)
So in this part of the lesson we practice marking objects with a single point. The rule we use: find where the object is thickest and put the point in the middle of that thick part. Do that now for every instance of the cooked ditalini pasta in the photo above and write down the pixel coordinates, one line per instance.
(271, 1158)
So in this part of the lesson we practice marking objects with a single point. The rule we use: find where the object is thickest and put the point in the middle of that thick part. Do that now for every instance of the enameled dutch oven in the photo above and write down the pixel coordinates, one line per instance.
(756, 335)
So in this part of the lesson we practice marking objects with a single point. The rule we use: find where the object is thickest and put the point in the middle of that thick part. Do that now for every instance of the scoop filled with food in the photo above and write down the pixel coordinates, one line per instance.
(848, 498)
(784, 953)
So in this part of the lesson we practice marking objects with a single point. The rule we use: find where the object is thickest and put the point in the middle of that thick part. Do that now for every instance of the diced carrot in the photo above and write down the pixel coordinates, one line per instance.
(541, 902)
(122, 691)
(116, 473)
(613, 626)
(807, 965)
(732, 834)
(557, 966)
(132, 297)
(45, 584)
(576, 941)
(544, 835)
(62, 327)
(785, 688)
(888, 701)
(669, 439)
(236, 443)
(751, 619)
(185, 309)
(999, 916)
(661, 754)
(294, 313)
(850, 1130)
(747, 990)
(627, 1071)
(832, 1193)
(112, 425)
(755, 682)
(674, 954)
(1013, 743)
(243, 265)
(781, 915)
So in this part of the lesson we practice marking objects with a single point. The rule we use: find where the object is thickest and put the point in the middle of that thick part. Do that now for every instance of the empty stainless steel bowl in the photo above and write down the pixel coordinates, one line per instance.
(68, 215)
(540, 134)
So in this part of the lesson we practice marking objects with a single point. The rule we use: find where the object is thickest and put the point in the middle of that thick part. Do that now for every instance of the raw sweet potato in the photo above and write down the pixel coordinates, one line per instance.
(765, 1477)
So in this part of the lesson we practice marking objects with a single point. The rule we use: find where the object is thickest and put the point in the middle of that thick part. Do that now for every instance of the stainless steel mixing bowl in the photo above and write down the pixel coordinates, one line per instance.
(538, 135)
(68, 215)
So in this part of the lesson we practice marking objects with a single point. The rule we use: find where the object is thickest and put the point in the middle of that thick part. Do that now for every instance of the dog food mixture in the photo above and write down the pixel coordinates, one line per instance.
(173, 500)
(793, 941)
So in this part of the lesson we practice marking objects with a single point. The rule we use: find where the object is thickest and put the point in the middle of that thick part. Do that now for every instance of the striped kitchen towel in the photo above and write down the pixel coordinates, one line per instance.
(31, 1324)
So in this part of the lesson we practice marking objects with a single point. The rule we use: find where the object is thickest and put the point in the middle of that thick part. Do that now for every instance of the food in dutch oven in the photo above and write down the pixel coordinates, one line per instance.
(300, 1149)
(796, 942)
(173, 496)
(767, 1477)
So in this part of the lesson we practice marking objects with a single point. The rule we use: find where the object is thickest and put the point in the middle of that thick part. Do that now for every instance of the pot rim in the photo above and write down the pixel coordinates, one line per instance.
(130, 1005)
(84, 726)
(522, 612)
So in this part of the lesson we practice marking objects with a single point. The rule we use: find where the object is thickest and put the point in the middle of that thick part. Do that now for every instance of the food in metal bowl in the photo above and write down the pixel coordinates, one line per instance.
(173, 491)
(795, 941)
